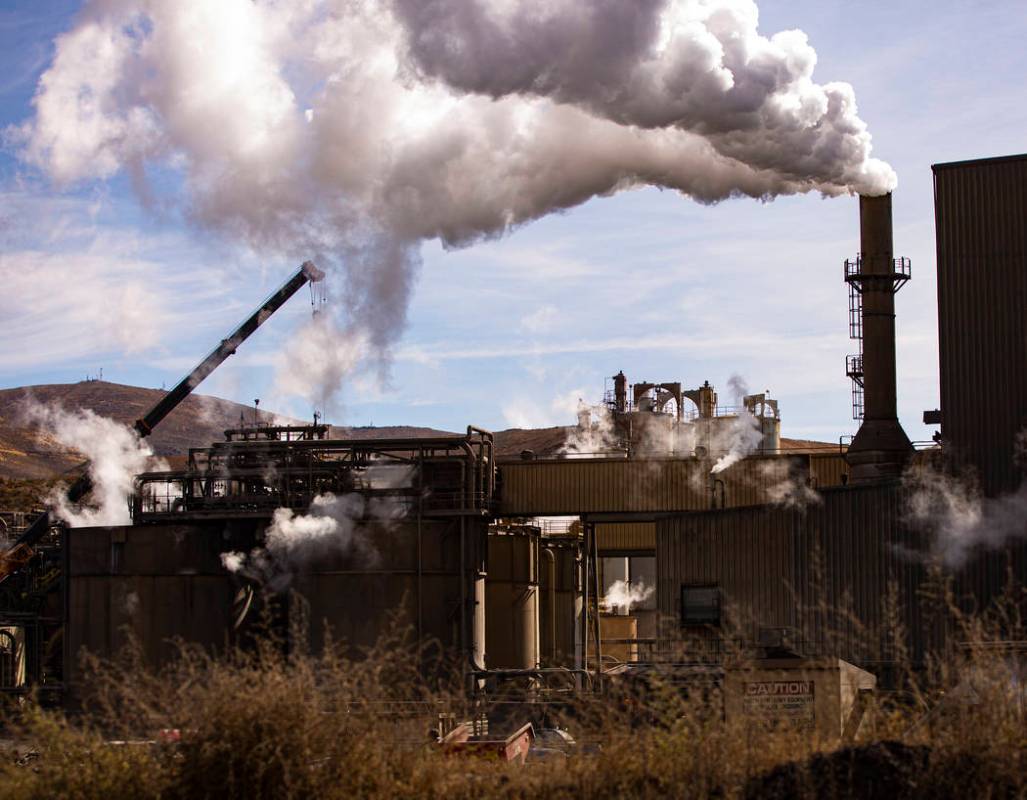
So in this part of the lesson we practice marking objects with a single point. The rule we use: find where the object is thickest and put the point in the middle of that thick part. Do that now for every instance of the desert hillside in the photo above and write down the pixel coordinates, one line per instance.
(28, 450)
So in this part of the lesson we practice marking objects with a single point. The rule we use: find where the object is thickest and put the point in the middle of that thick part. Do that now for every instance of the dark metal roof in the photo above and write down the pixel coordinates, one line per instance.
(978, 161)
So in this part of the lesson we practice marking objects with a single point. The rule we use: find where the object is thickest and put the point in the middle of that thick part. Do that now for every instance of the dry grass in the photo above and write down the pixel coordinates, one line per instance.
(270, 724)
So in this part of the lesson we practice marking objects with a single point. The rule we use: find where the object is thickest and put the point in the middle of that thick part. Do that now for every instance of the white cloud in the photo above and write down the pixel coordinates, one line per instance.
(527, 412)
(541, 320)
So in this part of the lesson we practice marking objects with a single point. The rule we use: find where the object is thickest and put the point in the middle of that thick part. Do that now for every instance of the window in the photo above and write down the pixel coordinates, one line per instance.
(628, 582)
(700, 605)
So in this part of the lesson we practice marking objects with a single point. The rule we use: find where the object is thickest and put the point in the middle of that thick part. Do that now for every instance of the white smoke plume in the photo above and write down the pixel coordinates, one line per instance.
(736, 440)
(597, 438)
(741, 436)
(958, 519)
(622, 595)
(663, 435)
(115, 453)
(350, 132)
(333, 525)
(786, 485)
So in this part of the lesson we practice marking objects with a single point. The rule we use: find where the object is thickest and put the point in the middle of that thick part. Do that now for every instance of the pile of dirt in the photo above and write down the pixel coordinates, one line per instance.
(882, 771)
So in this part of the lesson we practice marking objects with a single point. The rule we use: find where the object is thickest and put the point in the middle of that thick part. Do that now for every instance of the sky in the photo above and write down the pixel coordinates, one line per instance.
(512, 332)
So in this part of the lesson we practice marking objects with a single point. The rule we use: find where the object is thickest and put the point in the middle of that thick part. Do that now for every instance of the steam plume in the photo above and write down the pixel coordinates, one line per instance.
(596, 437)
(116, 455)
(333, 525)
(786, 486)
(622, 595)
(350, 132)
(958, 518)
(743, 435)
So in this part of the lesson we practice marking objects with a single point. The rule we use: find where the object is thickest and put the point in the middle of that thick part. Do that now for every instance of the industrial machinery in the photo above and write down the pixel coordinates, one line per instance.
(654, 421)
(31, 571)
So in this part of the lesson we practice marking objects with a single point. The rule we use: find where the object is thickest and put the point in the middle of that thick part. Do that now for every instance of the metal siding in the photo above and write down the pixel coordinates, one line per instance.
(981, 222)
(582, 486)
(826, 469)
(823, 571)
(181, 589)
(625, 536)
(747, 552)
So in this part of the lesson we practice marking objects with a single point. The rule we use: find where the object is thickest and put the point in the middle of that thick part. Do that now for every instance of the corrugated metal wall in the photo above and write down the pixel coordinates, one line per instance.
(828, 469)
(625, 537)
(583, 486)
(981, 221)
(156, 582)
(828, 572)
(166, 581)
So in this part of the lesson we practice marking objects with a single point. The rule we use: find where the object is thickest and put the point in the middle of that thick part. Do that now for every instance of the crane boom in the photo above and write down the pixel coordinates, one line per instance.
(308, 272)
(145, 424)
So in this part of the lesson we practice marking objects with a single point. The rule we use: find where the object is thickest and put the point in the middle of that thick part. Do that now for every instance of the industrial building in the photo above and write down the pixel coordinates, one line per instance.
(783, 552)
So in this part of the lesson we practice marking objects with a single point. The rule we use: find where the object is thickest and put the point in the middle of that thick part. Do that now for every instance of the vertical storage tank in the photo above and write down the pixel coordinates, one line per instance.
(512, 598)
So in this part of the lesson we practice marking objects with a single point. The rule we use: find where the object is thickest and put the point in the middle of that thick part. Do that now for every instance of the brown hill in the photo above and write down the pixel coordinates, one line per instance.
(28, 451)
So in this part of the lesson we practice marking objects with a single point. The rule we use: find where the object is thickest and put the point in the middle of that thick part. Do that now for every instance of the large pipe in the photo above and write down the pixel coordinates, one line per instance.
(880, 447)
(550, 558)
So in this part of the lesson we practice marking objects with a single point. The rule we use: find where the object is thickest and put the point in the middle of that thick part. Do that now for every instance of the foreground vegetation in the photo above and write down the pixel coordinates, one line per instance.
(264, 724)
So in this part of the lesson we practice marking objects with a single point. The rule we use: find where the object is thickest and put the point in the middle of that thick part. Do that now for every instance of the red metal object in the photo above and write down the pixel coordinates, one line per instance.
(462, 741)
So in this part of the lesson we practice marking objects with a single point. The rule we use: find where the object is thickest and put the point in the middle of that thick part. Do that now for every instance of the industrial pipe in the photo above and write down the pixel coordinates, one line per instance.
(551, 599)
(880, 447)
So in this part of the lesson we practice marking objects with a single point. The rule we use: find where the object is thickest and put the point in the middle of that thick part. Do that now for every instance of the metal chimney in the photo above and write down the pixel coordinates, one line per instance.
(880, 448)
(620, 392)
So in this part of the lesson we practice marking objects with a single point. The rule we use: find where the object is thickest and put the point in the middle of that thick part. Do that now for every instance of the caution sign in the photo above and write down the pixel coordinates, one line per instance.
(790, 702)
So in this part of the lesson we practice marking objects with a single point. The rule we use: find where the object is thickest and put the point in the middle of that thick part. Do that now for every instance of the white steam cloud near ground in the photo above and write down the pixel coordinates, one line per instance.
(116, 455)
(957, 518)
(350, 132)
(339, 525)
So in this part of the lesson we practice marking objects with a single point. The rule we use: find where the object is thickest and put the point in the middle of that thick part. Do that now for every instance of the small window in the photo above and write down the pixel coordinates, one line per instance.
(700, 605)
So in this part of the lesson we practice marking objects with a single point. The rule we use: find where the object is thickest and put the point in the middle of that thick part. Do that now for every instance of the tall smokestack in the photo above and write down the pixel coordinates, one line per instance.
(880, 448)
(620, 391)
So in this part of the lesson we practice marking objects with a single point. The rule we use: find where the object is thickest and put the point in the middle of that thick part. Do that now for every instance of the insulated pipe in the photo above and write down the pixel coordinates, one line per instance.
(551, 599)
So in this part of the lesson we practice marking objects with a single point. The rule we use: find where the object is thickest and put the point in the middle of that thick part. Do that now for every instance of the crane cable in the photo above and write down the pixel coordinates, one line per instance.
(318, 303)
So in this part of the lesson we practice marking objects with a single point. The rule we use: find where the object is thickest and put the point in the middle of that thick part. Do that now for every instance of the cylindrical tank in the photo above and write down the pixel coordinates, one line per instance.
(771, 430)
(512, 598)
(560, 602)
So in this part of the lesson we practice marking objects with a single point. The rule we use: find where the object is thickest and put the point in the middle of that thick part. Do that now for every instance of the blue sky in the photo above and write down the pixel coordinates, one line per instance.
(507, 332)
